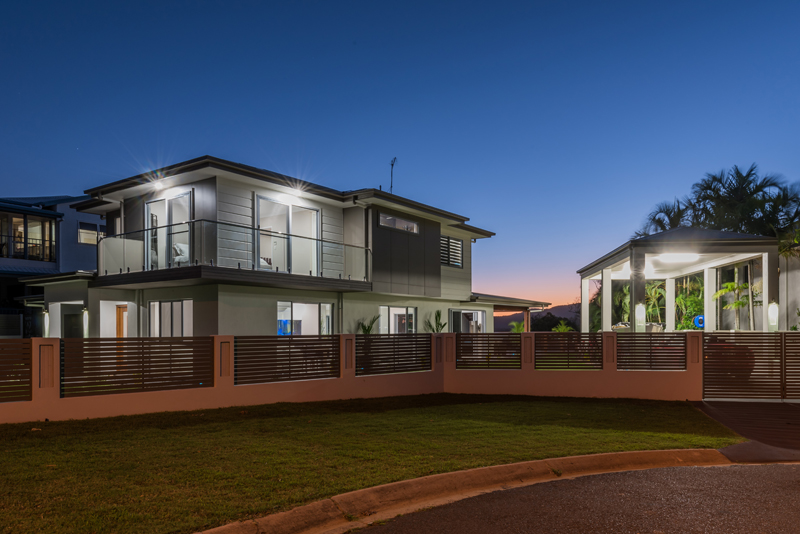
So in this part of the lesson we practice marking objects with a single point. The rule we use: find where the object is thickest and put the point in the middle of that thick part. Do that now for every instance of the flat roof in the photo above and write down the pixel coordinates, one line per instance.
(511, 303)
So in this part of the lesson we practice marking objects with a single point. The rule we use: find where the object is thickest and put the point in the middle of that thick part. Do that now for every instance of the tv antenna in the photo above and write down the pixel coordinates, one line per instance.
(391, 184)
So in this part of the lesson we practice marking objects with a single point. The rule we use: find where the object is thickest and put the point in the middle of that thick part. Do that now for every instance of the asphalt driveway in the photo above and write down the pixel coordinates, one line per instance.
(736, 499)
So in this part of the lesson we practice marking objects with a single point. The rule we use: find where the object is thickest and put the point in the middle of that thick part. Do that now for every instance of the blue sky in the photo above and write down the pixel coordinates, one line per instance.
(556, 125)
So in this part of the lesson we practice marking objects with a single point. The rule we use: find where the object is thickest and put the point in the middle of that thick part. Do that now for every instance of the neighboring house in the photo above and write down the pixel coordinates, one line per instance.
(208, 247)
(40, 236)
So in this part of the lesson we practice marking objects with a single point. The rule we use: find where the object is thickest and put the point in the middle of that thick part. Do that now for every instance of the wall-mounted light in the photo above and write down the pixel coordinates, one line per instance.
(85, 322)
(772, 314)
(641, 318)
(46, 323)
(158, 186)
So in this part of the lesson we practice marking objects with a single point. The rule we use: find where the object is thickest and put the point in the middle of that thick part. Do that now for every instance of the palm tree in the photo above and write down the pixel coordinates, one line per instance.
(562, 326)
(368, 326)
(517, 327)
(654, 296)
(665, 216)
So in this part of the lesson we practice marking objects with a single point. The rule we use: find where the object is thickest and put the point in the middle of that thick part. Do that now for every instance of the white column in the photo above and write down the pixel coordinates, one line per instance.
(670, 304)
(710, 305)
(606, 300)
(584, 305)
(765, 291)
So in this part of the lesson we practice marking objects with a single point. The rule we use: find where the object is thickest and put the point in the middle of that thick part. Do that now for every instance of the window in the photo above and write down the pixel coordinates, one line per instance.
(27, 237)
(397, 223)
(394, 320)
(90, 233)
(171, 318)
(451, 251)
(468, 321)
(302, 319)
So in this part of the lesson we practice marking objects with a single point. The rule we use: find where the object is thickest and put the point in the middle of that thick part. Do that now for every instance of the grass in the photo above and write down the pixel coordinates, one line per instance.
(187, 471)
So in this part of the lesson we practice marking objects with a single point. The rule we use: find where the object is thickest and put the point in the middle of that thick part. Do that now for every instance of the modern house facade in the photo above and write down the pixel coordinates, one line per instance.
(40, 236)
(212, 247)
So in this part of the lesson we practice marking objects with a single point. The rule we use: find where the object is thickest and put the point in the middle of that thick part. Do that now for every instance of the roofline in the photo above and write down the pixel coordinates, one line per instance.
(89, 203)
(16, 207)
(473, 229)
(633, 243)
(204, 162)
(507, 301)
(59, 277)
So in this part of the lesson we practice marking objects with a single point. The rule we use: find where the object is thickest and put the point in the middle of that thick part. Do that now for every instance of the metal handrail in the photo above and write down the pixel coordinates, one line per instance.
(250, 228)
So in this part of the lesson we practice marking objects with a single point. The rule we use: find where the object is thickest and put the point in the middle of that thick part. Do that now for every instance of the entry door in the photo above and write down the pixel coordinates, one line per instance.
(122, 321)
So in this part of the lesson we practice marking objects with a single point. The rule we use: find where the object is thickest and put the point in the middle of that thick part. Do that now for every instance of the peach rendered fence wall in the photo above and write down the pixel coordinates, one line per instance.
(443, 376)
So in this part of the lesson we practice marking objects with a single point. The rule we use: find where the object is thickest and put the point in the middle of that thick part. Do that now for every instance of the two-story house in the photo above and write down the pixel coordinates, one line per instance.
(40, 236)
(208, 246)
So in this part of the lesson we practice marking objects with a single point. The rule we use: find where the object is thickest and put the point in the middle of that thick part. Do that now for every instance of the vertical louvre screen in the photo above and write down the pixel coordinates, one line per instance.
(742, 365)
(662, 351)
(791, 363)
(489, 351)
(568, 351)
(104, 366)
(392, 353)
(266, 359)
(15, 370)
(451, 251)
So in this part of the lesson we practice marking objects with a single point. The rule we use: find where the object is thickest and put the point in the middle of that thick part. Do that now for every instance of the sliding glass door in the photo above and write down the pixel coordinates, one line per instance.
(168, 239)
(288, 238)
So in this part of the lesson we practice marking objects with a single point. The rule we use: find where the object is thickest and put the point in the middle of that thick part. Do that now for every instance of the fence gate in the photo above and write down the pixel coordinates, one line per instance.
(751, 365)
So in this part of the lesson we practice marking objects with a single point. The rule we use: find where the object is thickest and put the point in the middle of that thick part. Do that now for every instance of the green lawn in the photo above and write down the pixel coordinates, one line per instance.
(187, 471)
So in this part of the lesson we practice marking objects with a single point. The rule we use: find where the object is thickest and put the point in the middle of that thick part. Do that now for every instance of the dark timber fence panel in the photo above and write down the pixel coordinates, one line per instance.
(15, 370)
(266, 359)
(392, 353)
(651, 351)
(489, 351)
(791, 361)
(103, 366)
(568, 351)
(742, 365)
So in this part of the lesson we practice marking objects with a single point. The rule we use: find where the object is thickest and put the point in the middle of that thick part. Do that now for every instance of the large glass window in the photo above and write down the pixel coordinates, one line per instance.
(397, 320)
(304, 319)
(27, 237)
(390, 221)
(468, 321)
(171, 318)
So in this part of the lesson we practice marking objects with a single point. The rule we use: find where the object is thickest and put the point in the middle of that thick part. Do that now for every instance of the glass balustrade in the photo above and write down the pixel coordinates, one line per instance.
(232, 246)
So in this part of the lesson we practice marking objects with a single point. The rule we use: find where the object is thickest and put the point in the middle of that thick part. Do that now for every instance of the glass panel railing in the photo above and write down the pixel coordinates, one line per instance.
(232, 246)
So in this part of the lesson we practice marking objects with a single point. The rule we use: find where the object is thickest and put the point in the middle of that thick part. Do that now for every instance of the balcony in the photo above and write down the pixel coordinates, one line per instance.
(27, 249)
(229, 252)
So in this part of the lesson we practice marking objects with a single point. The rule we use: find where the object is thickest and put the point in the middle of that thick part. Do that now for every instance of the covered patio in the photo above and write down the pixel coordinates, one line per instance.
(674, 255)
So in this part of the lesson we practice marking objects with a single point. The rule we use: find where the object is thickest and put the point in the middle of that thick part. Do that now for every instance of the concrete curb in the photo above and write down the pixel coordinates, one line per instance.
(361, 508)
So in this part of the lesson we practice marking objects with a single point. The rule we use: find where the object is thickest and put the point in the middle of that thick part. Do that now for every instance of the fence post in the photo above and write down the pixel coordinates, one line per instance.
(347, 355)
(609, 351)
(224, 370)
(45, 370)
(694, 363)
(528, 345)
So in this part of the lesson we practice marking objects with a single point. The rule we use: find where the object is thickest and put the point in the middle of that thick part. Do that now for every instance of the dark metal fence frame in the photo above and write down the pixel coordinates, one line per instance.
(498, 351)
(382, 354)
(270, 359)
(16, 369)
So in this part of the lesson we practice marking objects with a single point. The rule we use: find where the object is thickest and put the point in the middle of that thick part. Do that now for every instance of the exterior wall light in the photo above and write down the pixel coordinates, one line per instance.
(158, 186)
(678, 257)
(85, 323)
(46, 323)
(641, 316)
(772, 313)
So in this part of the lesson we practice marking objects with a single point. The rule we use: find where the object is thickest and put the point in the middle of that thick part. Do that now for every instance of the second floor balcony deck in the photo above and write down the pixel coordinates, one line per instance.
(191, 245)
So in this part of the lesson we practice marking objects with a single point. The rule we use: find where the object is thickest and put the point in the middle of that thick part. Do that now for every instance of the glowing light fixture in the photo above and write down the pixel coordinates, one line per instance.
(772, 313)
(641, 317)
(85, 322)
(46, 321)
(678, 257)
(158, 186)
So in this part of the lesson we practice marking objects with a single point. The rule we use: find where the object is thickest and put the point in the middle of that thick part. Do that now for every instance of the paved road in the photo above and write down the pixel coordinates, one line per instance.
(745, 499)
(773, 423)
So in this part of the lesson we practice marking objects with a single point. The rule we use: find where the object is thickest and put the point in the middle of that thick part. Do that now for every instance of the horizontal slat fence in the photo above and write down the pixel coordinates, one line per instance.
(568, 351)
(489, 351)
(266, 359)
(103, 366)
(742, 365)
(392, 353)
(651, 351)
(15, 370)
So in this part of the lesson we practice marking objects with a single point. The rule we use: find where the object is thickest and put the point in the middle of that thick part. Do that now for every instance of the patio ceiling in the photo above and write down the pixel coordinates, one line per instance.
(672, 265)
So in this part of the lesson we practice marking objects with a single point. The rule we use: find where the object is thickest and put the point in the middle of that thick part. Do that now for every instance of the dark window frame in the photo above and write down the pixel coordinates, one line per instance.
(381, 213)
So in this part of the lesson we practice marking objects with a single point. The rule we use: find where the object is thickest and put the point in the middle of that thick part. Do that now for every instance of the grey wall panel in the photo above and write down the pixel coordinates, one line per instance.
(432, 265)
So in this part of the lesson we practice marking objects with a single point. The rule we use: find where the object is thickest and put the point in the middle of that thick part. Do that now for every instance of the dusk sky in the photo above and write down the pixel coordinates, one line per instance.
(556, 125)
